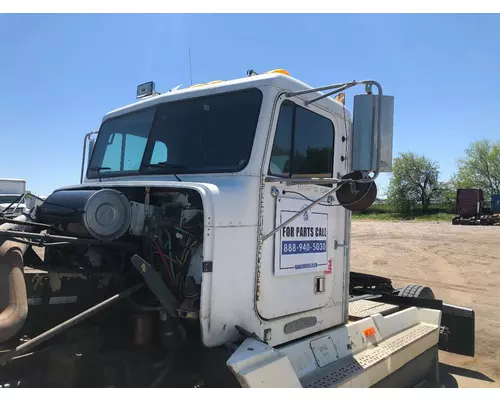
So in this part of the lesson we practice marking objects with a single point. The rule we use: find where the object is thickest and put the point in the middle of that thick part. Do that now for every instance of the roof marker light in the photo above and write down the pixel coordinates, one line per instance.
(340, 98)
(278, 71)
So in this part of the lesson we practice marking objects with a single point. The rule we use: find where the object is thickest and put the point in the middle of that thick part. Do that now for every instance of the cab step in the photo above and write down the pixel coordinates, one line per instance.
(370, 366)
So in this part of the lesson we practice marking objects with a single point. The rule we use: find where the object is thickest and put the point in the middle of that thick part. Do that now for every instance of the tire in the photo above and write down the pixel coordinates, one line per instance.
(417, 291)
(455, 221)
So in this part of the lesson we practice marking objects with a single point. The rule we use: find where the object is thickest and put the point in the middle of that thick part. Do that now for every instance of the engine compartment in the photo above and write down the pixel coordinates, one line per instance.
(130, 342)
(164, 227)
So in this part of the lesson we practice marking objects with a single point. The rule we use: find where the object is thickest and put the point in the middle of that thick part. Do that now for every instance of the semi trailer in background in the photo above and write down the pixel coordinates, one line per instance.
(473, 209)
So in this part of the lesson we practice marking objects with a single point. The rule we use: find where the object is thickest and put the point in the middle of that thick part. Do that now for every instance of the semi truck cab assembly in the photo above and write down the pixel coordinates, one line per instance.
(207, 244)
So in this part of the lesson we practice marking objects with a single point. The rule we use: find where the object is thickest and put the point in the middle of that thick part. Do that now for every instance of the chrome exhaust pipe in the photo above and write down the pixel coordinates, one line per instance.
(13, 296)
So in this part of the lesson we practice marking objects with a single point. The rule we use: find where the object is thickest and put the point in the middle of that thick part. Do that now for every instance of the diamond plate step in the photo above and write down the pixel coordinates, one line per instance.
(347, 368)
(366, 308)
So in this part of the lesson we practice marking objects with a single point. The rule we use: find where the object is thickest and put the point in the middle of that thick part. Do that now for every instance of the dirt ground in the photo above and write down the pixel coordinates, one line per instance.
(462, 266)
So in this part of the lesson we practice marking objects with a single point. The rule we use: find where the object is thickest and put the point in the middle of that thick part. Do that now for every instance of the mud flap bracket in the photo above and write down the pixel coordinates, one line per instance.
(457, 331)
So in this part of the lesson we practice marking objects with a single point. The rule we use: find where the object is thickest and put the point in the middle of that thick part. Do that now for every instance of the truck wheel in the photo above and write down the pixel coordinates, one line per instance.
(455, 221)
(417, 291)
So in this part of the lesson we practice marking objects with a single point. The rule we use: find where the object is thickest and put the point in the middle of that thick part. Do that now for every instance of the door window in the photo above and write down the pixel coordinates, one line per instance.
(303, 143)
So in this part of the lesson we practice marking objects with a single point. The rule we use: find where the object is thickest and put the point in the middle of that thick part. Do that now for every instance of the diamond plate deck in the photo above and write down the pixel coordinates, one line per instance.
(366, 308)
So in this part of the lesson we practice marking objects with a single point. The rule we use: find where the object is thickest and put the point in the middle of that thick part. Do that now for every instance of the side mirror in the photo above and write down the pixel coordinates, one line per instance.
(372, 150)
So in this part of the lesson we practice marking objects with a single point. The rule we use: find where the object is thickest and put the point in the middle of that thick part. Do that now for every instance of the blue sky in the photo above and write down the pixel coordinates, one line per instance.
(60, 73)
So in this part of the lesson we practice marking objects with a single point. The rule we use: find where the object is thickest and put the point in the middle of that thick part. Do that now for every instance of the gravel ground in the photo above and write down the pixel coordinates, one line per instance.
(460, 264)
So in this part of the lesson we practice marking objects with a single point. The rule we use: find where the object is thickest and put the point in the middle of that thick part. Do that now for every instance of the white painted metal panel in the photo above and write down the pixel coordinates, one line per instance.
(257, 365)
(231, 285)
(363, 358)
(298, 287)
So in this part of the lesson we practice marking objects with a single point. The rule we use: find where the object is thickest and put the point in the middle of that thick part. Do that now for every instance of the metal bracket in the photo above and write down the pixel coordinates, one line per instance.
(336, 245)
(207, 266)
(156, 285)
(251, 335)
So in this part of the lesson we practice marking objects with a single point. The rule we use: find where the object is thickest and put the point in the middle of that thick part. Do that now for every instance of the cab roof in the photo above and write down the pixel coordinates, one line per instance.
(277, 79)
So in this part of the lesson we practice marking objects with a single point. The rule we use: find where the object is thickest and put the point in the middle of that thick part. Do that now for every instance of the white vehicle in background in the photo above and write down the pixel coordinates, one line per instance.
(220, 216)
(15, 200)
(12, 199)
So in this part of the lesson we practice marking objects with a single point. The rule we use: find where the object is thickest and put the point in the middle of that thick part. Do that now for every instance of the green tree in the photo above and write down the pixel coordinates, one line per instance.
(414, 182)
(480, 167)
(448, 194)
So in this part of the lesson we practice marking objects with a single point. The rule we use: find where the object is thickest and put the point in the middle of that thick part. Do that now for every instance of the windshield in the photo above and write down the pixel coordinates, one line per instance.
(204, 134)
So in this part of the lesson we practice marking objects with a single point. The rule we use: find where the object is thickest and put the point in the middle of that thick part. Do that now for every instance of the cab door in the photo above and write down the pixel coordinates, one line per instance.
(299, 267)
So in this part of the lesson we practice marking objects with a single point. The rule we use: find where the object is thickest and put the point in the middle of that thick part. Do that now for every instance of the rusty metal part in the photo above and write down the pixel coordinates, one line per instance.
(13, 297)
(188, 310)
(25, 347)
(142, 329)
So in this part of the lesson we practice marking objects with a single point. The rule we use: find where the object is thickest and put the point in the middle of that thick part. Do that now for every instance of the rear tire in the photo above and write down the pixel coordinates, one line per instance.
(417, 291)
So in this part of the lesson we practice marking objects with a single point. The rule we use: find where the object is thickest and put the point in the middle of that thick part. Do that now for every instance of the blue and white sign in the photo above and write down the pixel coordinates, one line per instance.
(302, 245)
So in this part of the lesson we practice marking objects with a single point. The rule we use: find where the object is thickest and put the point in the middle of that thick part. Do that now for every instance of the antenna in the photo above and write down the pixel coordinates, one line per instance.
(190, 68)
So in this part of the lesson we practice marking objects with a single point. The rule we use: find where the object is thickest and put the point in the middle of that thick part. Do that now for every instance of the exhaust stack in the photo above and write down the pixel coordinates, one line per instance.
(13, 296)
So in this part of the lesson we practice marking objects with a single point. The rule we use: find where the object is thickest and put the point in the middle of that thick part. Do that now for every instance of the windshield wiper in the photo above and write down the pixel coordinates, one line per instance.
(164, 164)
(167, 165)
(98, 170)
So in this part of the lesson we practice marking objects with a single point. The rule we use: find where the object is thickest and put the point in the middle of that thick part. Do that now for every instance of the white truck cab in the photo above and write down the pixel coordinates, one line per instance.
(231, 202)
(238, 144)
